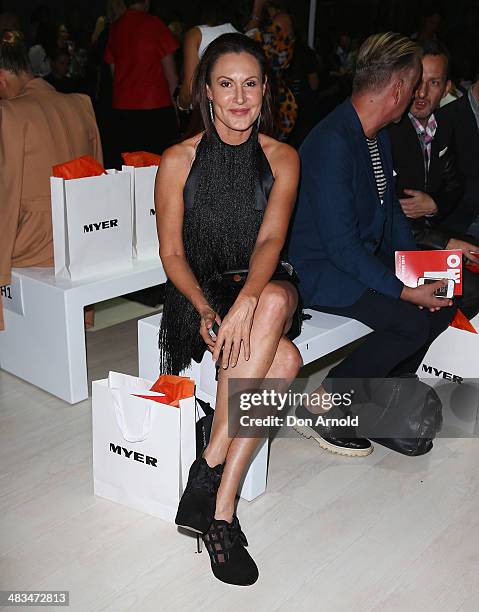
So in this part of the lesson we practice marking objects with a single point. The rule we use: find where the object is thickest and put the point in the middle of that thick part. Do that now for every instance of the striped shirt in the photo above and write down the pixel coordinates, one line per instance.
(379, 176)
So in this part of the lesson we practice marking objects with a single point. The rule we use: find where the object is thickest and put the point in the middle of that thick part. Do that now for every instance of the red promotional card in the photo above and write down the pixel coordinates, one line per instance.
(414, 265)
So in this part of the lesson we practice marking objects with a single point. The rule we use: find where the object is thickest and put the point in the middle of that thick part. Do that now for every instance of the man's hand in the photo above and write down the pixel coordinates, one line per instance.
(423, 296)
(467, 249)
(418, 205)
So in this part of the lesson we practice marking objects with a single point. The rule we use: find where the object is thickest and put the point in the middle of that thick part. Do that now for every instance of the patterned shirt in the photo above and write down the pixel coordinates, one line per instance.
(426, 136)
(379, 176)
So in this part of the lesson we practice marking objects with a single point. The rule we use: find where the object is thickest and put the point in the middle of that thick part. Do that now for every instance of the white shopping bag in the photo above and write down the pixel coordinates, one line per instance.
(142, 449)
(145, 235)
(92, 228)
(451, 366)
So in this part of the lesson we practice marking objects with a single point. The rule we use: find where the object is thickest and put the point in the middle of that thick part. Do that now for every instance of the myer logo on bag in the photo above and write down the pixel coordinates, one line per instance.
(136, 456)
(442, 374)
(92, 227)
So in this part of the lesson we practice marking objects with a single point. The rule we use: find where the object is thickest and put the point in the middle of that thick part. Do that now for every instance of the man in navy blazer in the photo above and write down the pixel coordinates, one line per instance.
(348, 224)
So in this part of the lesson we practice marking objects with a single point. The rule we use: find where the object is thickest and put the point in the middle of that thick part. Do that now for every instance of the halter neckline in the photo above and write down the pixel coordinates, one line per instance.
(219, 140)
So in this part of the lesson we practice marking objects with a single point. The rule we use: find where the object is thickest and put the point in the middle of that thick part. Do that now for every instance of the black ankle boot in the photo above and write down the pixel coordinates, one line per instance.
(197, 504)
(230, 561)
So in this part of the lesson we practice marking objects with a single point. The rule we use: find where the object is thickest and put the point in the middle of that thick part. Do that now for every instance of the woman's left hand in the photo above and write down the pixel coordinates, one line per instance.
(234, 331)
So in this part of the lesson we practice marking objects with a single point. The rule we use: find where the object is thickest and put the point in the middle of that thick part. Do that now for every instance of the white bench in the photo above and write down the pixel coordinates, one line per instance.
(44, 337)
(321, 335)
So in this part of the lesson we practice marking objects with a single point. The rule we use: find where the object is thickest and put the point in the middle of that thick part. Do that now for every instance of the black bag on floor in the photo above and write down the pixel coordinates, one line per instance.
(203, 426)
(403, 414)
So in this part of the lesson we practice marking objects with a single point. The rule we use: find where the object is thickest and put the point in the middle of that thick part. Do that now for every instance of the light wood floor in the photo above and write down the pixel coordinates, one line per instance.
(331, 534)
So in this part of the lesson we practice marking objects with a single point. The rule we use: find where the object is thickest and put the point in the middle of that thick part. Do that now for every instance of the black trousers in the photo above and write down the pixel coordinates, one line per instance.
(151, 130)
(469, 301)
(401, 337)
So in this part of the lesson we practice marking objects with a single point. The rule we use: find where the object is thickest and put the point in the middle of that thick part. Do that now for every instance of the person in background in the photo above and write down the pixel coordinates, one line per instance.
(57, 77)
(452, 95)
(177, 26)
(55, 128)
(140, 52)
(9, 21)
(431, 24)
(103, 96)
(114, 10)
(216, 17)
(63, 39)
(271, 25)
(427, 183)
(39, 53)
(77, 52)
(463, 115)
(348, 225)
(341, 58)
(302, 78)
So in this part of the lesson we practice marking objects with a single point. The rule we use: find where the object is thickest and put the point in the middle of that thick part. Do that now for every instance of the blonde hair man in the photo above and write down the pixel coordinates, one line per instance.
(348, 225)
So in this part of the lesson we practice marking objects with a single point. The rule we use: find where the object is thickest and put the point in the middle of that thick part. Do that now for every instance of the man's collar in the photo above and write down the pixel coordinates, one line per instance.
(420, 129)
(358, 126)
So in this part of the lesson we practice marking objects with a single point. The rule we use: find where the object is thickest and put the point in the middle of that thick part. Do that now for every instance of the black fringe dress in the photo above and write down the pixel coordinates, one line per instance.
(225, 197)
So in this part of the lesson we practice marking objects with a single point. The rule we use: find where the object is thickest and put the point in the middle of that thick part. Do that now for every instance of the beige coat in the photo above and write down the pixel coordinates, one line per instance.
(38, 129)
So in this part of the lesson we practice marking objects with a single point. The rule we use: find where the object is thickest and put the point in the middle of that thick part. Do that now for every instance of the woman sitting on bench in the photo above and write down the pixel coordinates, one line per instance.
(224, 199)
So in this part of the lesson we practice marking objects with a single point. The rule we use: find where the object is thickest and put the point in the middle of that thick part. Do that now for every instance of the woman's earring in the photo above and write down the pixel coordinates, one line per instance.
(212, 115)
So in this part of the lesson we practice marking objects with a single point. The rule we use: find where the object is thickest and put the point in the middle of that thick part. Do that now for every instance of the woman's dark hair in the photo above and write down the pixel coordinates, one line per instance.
(13, 53)
(230, 43)
(436, 48)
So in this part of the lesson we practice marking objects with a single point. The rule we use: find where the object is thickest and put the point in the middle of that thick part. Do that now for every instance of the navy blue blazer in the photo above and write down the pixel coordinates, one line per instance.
(342, 236)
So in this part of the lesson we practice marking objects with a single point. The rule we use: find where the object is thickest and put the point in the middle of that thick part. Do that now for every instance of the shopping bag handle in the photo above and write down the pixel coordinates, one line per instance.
(120, 419)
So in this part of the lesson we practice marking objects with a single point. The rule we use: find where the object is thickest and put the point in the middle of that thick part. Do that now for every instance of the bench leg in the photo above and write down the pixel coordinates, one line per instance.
(76, 351)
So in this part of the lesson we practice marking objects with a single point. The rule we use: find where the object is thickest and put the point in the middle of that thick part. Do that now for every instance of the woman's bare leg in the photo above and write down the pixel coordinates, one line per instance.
(285, 366)
(272, 356)
(273, 313)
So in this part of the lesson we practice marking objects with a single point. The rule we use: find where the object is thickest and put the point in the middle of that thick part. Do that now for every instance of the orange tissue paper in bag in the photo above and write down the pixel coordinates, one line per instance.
(175, 388)
(460, 321)
(141, 159)
(81, 167)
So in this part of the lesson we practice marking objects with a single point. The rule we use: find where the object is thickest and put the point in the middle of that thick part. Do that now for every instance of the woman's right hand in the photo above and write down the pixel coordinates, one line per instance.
(208, 317)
